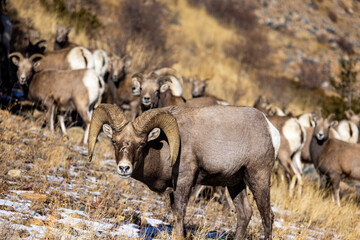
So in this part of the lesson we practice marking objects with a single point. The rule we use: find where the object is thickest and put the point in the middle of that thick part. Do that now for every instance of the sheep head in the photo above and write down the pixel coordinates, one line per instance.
(148, 87)
(198, 87)
(130, 138)
(25, 66)
(119, 67)
(322, 127)
(62, 33)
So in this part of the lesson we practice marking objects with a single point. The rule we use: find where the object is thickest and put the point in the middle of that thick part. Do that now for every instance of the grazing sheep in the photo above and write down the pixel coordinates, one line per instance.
(218, 145)
(66, 90)
(293, 137)
(333, 158)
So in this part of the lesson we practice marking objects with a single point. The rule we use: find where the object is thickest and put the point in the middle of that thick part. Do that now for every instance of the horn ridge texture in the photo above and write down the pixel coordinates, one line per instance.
(164, 120)
(104, 113)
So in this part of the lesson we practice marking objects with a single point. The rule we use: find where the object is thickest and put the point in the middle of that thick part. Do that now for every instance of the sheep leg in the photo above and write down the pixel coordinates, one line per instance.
(50, 106)
(243, 209)
(61, 120)
(258, 181)
(297, 168)
(335, 184)
(179, 200)
(85, 114)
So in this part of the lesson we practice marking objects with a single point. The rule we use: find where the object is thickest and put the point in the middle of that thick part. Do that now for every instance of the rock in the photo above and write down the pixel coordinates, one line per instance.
(7, 208)
(36, 221)
(14, 173)
(34, 197)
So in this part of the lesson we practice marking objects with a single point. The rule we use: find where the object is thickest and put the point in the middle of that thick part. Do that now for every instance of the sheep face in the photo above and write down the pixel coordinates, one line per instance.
(25, 69)
(198, 88)
(119, 68)
(149, 92)
(129, 147)
(62, 33)
(322, 128)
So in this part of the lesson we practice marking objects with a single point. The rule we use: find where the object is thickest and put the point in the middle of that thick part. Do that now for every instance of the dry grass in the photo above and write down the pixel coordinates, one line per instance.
(90, 201)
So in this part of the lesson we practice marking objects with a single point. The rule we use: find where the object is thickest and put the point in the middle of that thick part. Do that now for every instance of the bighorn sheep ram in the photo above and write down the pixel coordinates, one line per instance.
(334, 158)
(235, 150)
(67, 90)
(160, 88)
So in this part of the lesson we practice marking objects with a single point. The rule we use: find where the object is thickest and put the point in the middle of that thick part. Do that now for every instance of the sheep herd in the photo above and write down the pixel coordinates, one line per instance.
(173, 144)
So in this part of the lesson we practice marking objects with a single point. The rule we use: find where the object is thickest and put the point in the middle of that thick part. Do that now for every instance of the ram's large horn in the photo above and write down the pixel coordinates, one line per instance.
(349, 113)
(104, 113)
(36, 55)
(170, 71)
(16, 54)
(166, 122)
(176, 79)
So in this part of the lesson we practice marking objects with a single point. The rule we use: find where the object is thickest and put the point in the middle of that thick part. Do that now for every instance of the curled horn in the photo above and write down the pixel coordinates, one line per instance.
(36, 55)
(170, 71)
(104, 113)
(138, 76)
(166, 122)
(349, 113)
(16, 54)
(331, 116)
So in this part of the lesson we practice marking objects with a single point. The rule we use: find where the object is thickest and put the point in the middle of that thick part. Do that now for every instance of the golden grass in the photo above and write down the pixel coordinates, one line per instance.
(56, 167)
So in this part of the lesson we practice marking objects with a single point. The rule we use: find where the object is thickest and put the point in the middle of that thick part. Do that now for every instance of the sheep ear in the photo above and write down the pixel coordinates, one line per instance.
(154, 134)
(136, 87)
(36, 65)
(334, 123)
(15, 61)
(164, 87)
(128, 62)
(107, 130)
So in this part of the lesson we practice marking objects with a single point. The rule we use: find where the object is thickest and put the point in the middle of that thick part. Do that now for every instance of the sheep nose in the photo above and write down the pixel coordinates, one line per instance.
(124, 169)
(320, 135)
(195, 93)
(115, 78)
(22, 80)
(146, 99)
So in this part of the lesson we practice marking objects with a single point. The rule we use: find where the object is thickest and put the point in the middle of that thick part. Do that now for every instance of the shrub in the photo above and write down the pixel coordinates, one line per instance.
(313, 74)
(143, 34)
(231, 12)
(81, 19)
(253, 51)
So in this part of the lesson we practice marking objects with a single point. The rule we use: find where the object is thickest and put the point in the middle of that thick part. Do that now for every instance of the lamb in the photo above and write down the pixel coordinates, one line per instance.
(197, 147)
(66, 90)
(333, 158)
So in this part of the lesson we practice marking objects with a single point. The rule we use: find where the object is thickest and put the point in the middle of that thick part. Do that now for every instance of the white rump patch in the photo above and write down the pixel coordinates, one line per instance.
(101, 62)
(292, 132)
(80, 57)
(275, 136)
(347, 131)
(91, 82)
